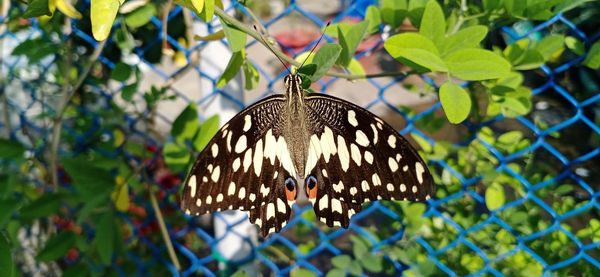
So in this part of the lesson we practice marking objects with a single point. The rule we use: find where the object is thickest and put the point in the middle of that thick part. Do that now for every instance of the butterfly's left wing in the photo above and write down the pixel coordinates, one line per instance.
(357, 157)
(244, 167)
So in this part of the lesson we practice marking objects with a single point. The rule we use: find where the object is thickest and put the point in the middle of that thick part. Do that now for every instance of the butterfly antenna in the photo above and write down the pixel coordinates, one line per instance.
(265, 42)
(316, 44)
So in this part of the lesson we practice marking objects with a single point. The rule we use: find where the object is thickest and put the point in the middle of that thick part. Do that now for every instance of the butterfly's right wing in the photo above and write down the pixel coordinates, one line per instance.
(244, 167)
(356, 157)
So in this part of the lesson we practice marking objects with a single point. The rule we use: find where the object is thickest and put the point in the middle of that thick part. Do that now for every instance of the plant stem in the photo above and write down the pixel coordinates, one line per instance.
(3, 12)
(231, 20)
(164, 232)
(68, 93)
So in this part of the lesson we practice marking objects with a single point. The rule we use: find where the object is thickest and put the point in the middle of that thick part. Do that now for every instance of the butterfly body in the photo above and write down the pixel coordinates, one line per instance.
(297, 145)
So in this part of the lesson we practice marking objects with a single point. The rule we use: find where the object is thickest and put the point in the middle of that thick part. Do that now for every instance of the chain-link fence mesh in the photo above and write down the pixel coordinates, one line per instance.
(549, 174)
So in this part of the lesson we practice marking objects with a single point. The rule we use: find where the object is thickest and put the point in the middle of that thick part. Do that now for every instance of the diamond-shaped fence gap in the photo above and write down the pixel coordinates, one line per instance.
(276, 253)
(554, 247)
(519, 263)
(494, 246)
(464, 211)
(295, 33)
(441, 235)
(385, 217)
(462, 260)
(565, 196)
(526, 219)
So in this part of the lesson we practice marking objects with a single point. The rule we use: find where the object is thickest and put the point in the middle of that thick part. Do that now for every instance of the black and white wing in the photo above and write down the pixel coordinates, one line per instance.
(245, 166)
(356, 157)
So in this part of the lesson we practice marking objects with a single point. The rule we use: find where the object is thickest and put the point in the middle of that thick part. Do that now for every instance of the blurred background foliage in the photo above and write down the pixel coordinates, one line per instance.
(89, 183)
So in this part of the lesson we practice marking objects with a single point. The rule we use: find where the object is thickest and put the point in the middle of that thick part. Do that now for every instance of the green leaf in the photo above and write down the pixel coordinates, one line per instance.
(575, 45)
(209, 10)
(235, 37)
(11, 149)
(355, 269)
(102, 16)
(197, 6)
(7, 264)
(105, 237)
(140, 16)
(372, 263)
(414, 214)
(413, 48)
(89, 180)
(455, 102)
(176, 156)
(251, 76)
(469, 37)
(232, 69)
(36, 49)
(359, 247)
(128, 91)
(474, 64)
(186, 124)
(7, 208)
(593, 56)
(355, 67)
(121, 72)
(530, 59)
(120, 196)
(518, 104)
(349, 41)
(494, 196)
(373, 16)
(37, 8)
(341, 261)
(302, 272)
(56, 247)
(393, 12)
(550, 46)
(207, 131)
(433, 23)
(44, 206)
(324, 59)
(308, 69)
(336, 272)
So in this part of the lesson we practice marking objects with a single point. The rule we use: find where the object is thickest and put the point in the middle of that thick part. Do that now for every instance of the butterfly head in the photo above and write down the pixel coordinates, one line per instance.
(293, 86)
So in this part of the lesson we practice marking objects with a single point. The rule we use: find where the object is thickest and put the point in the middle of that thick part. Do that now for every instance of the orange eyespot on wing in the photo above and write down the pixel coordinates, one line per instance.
(311, 187)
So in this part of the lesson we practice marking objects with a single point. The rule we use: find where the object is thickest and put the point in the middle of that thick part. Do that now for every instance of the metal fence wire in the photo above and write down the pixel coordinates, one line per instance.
(536, 231)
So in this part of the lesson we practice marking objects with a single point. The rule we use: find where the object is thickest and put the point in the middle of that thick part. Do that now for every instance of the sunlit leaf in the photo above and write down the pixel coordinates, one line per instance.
(413, 48)
(474, 64)
(433, 23)
(67, 8)
(494, 197)
(455, 101)
(102, 16)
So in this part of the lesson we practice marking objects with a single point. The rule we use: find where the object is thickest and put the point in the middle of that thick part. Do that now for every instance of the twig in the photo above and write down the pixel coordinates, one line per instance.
(68, 93)
(231, 20)
(163, 231)
(165, 22)
(3, 12)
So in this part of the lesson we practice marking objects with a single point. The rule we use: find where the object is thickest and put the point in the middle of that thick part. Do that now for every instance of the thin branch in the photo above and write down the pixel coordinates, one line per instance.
(231, 20)
(163, 230)
(68, 93)
(165, 22)
(3, 12)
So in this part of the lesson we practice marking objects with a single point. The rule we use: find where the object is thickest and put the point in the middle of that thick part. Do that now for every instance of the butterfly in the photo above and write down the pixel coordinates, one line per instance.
(301, 145)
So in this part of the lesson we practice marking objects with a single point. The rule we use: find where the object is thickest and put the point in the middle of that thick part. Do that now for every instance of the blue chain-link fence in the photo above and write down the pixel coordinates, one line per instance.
(549, 174)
